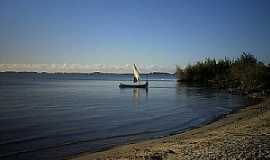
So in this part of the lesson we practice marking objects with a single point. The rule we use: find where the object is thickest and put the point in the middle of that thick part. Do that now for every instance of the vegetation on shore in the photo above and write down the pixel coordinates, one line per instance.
(245, 74)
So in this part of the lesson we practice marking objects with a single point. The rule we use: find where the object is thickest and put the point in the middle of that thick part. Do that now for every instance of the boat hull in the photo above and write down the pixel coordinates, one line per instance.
(133, 85)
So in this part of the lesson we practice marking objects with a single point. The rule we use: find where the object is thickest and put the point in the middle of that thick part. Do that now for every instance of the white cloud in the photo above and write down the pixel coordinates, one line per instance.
(87, 68)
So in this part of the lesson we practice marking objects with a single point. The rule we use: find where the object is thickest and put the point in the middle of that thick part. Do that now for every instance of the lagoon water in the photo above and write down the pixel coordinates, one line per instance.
(54, 116)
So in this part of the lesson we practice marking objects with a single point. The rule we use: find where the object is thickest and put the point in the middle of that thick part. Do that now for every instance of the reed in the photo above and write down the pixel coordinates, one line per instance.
(245, 73)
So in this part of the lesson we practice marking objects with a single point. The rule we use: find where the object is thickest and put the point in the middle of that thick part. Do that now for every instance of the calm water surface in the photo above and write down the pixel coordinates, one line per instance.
(52, 117)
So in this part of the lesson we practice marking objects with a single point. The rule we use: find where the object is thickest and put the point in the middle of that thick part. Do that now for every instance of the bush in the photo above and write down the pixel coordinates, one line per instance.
(245, 73)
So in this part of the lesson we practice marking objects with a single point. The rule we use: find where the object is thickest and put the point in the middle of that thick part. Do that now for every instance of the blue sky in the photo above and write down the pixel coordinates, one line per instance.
(155, 34)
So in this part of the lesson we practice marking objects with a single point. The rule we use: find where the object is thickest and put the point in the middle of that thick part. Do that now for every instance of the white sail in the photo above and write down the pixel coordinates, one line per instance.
(136, 74)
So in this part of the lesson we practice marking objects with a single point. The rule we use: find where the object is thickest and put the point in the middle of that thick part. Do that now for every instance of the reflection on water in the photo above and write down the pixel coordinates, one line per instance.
(139, 95)
(196, 90)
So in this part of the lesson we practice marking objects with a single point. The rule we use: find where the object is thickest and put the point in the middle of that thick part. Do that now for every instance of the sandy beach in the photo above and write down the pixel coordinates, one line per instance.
(244, 134)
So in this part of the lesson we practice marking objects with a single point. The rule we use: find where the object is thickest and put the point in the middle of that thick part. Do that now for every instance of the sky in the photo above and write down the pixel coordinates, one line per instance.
(111, 35)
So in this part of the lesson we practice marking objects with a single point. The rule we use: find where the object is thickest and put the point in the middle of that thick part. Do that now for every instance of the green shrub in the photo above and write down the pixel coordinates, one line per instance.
(245, 73)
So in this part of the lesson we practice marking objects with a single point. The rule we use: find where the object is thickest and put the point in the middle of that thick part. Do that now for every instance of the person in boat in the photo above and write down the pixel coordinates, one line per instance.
(136, 78)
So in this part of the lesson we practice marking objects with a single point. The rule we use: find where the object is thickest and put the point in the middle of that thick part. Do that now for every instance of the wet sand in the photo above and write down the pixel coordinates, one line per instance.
(241, 135)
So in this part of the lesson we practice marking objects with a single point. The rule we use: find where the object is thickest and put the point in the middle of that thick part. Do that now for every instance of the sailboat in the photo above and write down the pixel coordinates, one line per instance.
(136, 80)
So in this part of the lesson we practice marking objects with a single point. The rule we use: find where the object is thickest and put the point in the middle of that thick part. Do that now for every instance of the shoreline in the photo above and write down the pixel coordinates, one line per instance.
(244, 133)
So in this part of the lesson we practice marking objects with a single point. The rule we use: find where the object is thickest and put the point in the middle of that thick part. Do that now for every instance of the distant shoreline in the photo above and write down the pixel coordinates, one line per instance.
(90, 73)
(241, 134)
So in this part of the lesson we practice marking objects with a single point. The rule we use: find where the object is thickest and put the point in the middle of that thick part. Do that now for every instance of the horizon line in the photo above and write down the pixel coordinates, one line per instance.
(96, 72)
